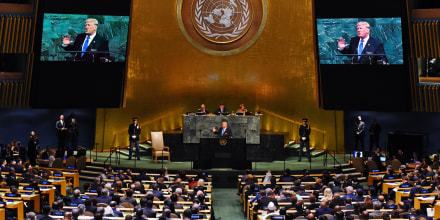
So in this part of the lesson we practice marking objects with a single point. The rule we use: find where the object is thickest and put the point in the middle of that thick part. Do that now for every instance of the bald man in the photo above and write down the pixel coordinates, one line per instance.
(89, 42)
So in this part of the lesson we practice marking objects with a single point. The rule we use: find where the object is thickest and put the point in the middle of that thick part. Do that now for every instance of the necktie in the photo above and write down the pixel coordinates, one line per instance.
(86, 44)
(361, 48)
(223, 131)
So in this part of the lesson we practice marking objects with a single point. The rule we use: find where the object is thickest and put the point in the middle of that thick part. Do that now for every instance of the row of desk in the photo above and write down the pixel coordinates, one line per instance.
(33, 198)
(403, 193)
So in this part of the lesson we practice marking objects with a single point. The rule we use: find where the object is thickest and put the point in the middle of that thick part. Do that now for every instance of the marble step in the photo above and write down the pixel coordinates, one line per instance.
(348, 169)
(91, 172)
(317, 153)
(89, 178)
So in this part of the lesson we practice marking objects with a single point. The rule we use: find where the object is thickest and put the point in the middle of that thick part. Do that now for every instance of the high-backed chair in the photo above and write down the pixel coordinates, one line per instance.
(395, 164)
(371, 164)
(71, 162)
(159, 150)
(58, 163)
(81, 163)
(358, 163)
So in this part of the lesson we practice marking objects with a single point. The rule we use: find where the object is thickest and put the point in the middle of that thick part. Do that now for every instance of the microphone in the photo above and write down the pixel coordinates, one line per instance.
(91, 49)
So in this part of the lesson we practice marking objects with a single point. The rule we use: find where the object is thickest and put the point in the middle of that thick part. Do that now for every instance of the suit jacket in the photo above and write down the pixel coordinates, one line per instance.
(423, 216)
(298, 213)
(149, 212)
(91, 209)
(99, 43)
(226, 134)
(313, 206)
(347, 207)
(118, 213)
(225, 111)
(351, 196)
(288, 179)
(359, 126)
(373, 46)
(4, 168)
(59, 126)
(129, 200)
(307, 179)
(76, 200)
(134, 130)
(18, 168)
(376, 213)
(158, 194)
(200, 112)
(304, 131)
(32, 145)
(45, 217)
(104, 199)
(323, 211)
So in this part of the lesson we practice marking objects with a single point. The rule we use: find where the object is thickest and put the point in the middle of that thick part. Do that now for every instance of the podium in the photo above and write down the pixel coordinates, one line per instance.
(222, 153)
(371, 57)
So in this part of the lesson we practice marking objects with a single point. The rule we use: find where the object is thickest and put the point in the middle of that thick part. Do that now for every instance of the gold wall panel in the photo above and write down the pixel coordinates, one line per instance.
(167, 76)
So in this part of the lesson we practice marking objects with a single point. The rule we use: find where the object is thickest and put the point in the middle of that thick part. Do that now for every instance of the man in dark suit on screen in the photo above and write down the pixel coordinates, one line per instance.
(90, 42)
(363, 44)
(224, 131)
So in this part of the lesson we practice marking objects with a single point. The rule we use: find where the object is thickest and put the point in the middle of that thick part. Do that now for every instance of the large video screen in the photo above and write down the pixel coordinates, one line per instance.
(339, 40)
(81, 48)
(362, 55)
(64, 38)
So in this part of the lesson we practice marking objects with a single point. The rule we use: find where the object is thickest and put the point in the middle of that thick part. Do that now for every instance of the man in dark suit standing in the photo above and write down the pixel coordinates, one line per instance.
(359, 133)
(363, 44)
(224, 132)
(374, 132)
(61, 127)
(134, 130)
(33, 145)
(88, 41)
(304, 132)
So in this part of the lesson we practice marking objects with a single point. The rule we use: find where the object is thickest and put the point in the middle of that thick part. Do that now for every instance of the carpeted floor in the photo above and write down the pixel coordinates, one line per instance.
(290, 162)
(227, 204)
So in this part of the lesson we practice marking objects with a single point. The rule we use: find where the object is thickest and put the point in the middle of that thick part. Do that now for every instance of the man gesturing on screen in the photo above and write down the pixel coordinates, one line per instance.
(363, 44)
(89, 42)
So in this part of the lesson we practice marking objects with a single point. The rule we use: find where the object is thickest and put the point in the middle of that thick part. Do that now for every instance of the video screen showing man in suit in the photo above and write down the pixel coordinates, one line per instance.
(363, 45)
(90, 42)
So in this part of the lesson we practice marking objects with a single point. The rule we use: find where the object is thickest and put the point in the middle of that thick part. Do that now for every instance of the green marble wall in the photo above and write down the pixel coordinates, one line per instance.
(55, 26)
(387, 30)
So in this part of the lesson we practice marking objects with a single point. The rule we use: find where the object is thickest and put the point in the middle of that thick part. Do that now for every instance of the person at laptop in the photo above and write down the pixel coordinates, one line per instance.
(224, 132)
(242, 110)
(222, 110)
(202, 110)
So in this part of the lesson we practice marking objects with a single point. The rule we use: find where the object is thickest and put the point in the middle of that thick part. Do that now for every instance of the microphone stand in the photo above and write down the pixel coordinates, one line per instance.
(284, 159)
(96, 151)
(162, 157)
(90, 152)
